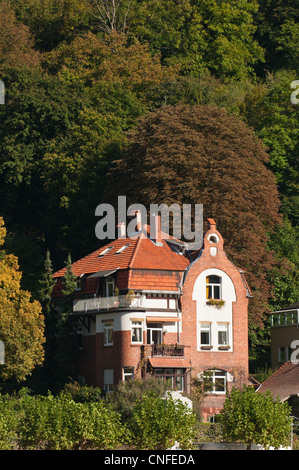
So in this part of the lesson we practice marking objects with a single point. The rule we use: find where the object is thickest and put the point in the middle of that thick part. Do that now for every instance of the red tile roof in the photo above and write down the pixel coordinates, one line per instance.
(284, 382)
(169, 362)
(151, 266)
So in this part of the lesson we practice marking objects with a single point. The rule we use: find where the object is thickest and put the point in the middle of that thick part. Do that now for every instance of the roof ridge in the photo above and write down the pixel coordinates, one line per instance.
(134, 254)
(276, 371)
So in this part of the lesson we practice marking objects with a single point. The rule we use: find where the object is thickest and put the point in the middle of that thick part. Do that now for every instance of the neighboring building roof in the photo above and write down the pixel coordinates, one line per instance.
(293, 306)
(284, 382)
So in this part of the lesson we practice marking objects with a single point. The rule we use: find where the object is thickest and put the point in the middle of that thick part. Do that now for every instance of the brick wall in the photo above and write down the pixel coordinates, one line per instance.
(236, 361)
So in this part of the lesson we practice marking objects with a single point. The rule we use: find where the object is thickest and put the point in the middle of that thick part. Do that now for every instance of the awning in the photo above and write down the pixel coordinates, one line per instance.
(103, 273)
(170, 362)
(162, 319)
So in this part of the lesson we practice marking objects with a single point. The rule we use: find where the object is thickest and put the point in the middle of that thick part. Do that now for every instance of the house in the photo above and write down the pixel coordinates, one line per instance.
(148, 306)
(284, 385)
(284, 331)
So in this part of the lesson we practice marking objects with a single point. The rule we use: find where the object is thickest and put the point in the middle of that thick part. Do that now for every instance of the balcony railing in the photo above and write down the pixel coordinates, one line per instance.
(167, 350)
(290, 317)
(108, 303)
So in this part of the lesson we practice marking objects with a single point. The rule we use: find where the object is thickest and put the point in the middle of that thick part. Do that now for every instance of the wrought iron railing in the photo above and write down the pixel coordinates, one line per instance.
(167, 350)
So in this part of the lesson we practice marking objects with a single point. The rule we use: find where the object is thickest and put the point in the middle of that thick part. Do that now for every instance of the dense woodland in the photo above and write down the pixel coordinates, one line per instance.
(182, 101)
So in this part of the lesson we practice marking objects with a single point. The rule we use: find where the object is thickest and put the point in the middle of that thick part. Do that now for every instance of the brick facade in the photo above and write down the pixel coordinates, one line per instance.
(176, 300)
(235, 360)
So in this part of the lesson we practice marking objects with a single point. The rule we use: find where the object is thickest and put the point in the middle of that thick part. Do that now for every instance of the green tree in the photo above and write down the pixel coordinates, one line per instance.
(16, 42)
(21, 321)
(125, 395)
(254, 418)
(201, 154)
(275, 121)
(157, 423)
(277, 32)
(53, 21)
(200, 35)
(69, 279)
(47, 284)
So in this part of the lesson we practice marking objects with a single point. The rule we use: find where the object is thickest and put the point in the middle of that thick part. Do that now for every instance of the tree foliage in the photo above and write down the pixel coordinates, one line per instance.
(200, 154)
(157, 423)
(21, 322)
(254, 418)
(16, 42)
(78, 75)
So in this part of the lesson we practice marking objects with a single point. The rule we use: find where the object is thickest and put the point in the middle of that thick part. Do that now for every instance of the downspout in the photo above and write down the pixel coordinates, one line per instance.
(177, 306)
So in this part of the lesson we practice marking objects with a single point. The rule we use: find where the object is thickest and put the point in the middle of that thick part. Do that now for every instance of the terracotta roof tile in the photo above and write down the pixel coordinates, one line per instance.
(152, 266)
(284, 382)
(169, 362)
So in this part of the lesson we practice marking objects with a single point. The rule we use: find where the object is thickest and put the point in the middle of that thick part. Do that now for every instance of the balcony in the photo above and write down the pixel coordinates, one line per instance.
(108, 303)
(167, 350)
(163, 350)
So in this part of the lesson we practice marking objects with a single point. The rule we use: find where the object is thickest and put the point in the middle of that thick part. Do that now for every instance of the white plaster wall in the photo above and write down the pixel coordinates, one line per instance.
(209, 313)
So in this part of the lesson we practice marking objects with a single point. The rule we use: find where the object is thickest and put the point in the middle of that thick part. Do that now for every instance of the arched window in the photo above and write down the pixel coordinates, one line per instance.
(215, 381)
(213, 287)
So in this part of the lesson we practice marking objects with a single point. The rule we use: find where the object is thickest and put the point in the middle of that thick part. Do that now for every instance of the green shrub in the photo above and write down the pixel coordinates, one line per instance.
(59, 423)
(158, 423)
(83, 393)
(8, 423)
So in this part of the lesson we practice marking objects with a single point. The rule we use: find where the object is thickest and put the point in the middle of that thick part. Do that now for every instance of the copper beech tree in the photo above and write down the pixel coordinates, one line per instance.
(21, 321)
(202, 155)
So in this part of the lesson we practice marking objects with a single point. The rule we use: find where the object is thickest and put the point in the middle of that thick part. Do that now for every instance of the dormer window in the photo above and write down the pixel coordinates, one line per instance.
(122, 249)
(213, 287)
(105, 251)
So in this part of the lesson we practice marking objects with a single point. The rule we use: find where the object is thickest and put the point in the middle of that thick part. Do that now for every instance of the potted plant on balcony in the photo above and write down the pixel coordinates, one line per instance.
(130, 297)
(218, 303)
(116, 295)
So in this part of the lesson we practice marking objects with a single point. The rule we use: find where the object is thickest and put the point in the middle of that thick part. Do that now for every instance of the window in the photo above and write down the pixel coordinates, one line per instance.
(108, 333)
(175, 377)
(213, 287)
(137, 332)
(205, 334)
(108, 380)
(128, 373)
(109, 287)
(215, 381)
(223, 334)
(105, 251)
(284, 353)
(122, 249)
(154, 333)
(213, 238)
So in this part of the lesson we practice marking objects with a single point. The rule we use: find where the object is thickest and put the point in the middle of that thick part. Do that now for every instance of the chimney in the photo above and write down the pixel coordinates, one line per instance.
(121, 230)
(156, 229)
(137, 213)
(212, 224)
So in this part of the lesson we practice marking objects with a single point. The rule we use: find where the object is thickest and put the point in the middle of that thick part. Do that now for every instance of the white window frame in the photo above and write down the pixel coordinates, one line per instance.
(223, 327)
(212, 285)
(216, 374)
(128, 373)
(136, 325)
(205, 327)
(108, 332)
(109, 282)
(150, 330)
